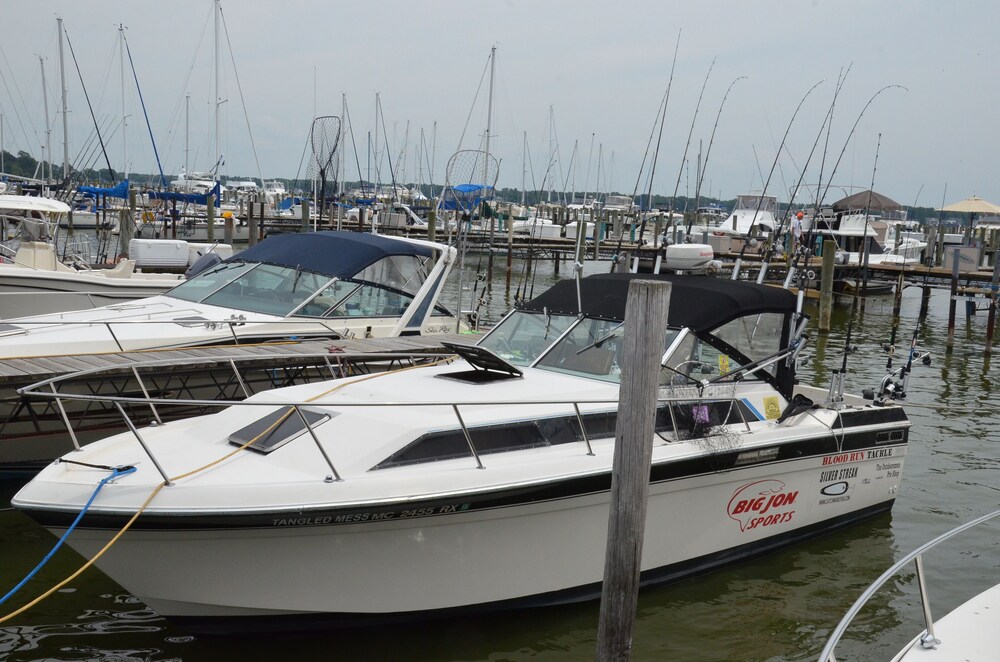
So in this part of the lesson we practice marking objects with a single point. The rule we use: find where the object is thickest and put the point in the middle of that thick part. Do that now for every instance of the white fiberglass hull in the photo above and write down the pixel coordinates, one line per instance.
(516, 545)
(25, 292)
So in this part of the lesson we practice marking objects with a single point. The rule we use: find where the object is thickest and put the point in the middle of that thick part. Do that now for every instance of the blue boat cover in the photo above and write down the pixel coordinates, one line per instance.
(120, 190)
(191, 198)
(335, 254)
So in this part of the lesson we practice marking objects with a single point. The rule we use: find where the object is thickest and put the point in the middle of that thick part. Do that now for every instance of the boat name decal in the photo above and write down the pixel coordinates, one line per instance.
(369, 516)
(843, 457)
(838, 474)
(881, 452)
(753, 503)
(889, 437)
(752, 457)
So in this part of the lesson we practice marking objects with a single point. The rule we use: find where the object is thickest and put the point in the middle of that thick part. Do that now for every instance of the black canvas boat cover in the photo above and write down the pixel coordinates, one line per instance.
(337, 254)
(700, 303)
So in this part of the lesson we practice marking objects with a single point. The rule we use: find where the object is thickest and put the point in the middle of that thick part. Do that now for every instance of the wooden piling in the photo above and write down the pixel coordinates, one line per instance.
(897, 300)
(432, 224)
(210, 217)
(991, 317)
(826, 285)
(646, 315)
(305, 216)
(951, 304)
(252, 222)
(925, 302)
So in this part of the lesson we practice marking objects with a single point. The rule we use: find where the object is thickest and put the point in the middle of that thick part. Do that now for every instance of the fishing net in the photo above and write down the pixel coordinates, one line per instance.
(705, 414)
(325, 140)
(469, 180)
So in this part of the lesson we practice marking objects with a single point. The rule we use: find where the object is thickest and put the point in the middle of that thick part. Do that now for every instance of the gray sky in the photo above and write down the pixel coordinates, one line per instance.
(589, 74)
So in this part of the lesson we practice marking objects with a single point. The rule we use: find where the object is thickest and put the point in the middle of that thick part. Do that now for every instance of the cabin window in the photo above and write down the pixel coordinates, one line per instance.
(694, 419)
(755, 336)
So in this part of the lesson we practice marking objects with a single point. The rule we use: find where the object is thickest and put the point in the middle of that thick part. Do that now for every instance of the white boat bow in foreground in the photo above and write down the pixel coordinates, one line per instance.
(483, 483)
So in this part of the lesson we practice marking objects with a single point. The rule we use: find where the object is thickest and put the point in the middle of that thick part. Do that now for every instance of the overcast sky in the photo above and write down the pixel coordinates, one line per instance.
(580, 80)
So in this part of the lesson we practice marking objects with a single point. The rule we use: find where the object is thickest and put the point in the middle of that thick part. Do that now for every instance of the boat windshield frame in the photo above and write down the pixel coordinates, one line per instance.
(590, 347)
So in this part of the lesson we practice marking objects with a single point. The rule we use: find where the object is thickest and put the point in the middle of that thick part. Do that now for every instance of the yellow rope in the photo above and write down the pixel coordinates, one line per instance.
(211, 464)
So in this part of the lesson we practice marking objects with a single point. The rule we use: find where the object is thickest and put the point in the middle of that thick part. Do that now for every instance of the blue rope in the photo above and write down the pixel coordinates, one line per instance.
(115, 473)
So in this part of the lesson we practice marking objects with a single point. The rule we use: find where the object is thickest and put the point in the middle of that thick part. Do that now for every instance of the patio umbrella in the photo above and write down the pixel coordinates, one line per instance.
(972, 205)
(869, 200)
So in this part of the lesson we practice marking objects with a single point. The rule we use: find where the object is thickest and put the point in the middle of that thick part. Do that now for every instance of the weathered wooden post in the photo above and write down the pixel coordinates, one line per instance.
(646, 311)
(432, 224)
(897, 300)
(992, 316)
(305, 216)
(252, 224)
(925, 302)
(227, 228)
(954, 296)
(826, 285)
(210, 217)
(510, 249)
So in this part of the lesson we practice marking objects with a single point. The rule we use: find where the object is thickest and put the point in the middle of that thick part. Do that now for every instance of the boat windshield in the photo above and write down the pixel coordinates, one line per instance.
(255, 287)
(383, 289)
(522, 336)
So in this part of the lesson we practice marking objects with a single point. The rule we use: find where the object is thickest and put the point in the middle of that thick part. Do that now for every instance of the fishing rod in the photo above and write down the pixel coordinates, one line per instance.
(771, 247)
(661, 117)
(687, 145)
(760, 200)
(865, 244)
(835, 398)
(806, 253)
(708, 152)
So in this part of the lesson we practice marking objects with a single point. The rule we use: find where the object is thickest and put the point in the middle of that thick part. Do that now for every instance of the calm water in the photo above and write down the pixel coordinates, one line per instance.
(778, 608)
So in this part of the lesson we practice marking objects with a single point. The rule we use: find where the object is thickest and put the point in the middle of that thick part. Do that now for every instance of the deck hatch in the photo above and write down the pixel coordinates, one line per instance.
(276, 429)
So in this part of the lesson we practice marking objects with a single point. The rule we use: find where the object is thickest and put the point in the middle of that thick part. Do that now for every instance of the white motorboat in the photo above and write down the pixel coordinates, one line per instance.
(752, 213)
(321, 284)
(35, 280)
(482, 484)
(968, 633)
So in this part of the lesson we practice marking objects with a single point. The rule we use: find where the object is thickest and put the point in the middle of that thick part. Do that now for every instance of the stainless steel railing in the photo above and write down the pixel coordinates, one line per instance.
(927, 638)
(49, 389)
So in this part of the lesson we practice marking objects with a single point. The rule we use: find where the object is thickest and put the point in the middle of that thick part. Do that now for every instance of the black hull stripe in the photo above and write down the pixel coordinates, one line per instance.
(228, 625)
(513, 497)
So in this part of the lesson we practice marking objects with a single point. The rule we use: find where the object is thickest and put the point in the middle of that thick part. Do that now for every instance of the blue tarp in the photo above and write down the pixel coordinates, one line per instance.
(335, 254)
(120, 190)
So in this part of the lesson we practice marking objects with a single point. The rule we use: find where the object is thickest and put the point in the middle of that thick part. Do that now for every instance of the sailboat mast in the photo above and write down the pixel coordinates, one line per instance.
(121, 63)
(218, 102)
(48, 129)
(62, 83)
(489, 111)
(187, 146)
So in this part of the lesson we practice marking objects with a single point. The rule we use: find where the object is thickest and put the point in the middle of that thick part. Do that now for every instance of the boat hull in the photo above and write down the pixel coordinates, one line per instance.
(532, 545)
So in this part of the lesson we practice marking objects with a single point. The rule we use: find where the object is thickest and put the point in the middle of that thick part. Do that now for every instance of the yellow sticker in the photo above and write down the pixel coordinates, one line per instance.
(772, 408)
(723, 364)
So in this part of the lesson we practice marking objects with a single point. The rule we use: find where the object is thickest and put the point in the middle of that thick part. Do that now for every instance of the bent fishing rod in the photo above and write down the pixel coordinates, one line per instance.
(760, 200)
